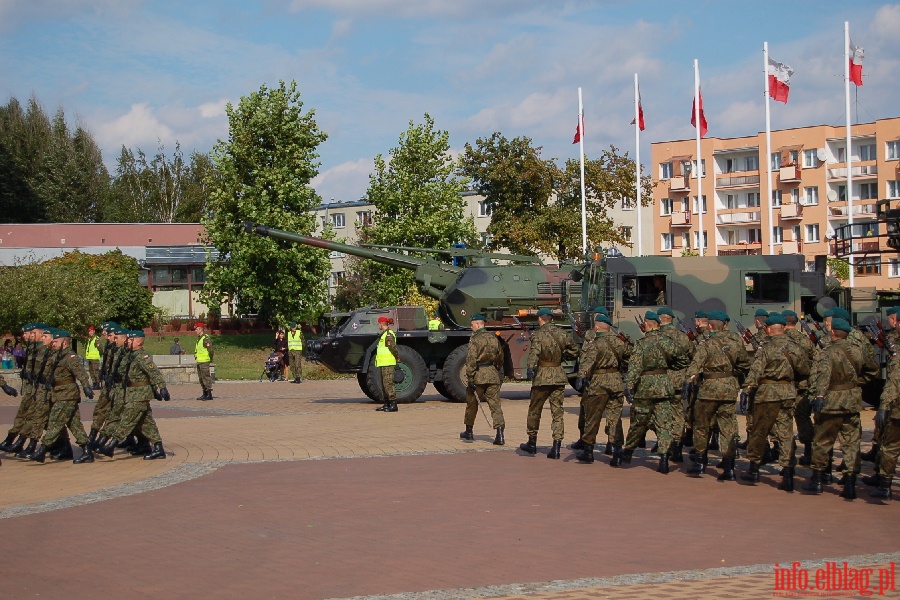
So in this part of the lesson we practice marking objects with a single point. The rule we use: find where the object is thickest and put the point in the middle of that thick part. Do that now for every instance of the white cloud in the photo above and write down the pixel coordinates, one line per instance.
(418, 8)
(213, 109)
(345, 182)
(138, 127)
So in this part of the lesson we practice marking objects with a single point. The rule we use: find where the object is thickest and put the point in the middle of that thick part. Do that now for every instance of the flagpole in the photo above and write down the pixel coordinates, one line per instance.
(848, 154)
(699, 170)
(637, 163)
(584, 247)
(768, 156)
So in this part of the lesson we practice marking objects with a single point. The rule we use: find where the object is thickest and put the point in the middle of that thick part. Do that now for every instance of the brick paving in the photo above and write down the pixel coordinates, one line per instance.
(303, 491)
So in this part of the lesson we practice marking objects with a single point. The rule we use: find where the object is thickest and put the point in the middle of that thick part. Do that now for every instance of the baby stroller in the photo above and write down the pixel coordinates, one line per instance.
(273, 367)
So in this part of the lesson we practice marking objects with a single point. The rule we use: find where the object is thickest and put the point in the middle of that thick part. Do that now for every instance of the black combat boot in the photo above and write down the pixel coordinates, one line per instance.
(202, 396)
(642, 443)
(752, 474)
(687, 438)
(383, 407)
(99, 442)
(806, 459)
(158, 452)
(677, 452)
(63, 451)
(209, 395)
(27, 450)
(554, 449)
(7, 443)
(467, 434)
(654, 449)
(849, 491)
(875, 480)
(815, 483)
(392, 406)
(699, 467)
(627, 453)
(871, 455)
(742, 445)
(16, 445)
(616, 460)
(297, 380)
(713, 440)
(586, 454)
(727, 473)
(142, 448)
(109, 448)
(882, 492)
(609, 449)
(86, 456)
(663, 464)
(787, 479)
(128, 443)
(577, 445)
(92, 436)
(499, 440)
(827, 476)
(39, 454)
(529, 447)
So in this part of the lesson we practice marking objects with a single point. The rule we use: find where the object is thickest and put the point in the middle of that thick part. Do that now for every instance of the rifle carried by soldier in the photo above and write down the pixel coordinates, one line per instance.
(816, 340)
(619, 334)
(689, 332)
(640, 323)
(748, 336)
(880, 339)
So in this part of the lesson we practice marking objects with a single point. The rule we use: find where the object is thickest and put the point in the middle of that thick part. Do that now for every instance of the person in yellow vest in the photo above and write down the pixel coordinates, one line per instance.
(295, 352)
(92, 355)
(204, 354)
(386, 361)
(435, 323)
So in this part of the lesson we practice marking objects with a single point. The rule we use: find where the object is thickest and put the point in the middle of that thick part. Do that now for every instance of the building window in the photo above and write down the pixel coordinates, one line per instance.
(696, 208)
(685, 239)
(626, 234)
(666, 241)
(627, 203)
(894, 268)
(335, 254)
(337, 220)
(693, 166)
(754, 236)
(775, 160)
(892, 150)
(868, 266)
(795, 232)
(485, 208)
(812, 233)
(665, 170)
(893, 189)
(665, 206)
(810, 160)
(795, 195)
(777, 235)
(753, 200)
(868, 191)
(337, 278)
(486, 239)
(841, 154)
(842, 194)
(697, 239)
(730, 165)
(752, 163)
(364, 218)
(776, 197)
(867, 152)
(811, 195)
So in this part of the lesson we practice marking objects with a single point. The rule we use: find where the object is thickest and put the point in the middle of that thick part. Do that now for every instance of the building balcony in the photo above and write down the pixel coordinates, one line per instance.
(737, 218)
(791, 248)
(862, 172)
(740, 250)
(845, 247)
(791, 211)
(738, 181)
(679, 184)
(860, 210)
(789, 174)
(681, 219)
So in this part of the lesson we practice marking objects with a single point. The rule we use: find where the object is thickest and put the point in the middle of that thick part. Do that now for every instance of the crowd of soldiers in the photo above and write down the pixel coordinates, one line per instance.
(685, 385)
(53, 381)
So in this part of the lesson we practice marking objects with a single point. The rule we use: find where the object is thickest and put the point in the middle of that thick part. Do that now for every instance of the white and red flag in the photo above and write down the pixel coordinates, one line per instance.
(640, 117)
(704, 127)
(579, 129)
(779, 80)
(857, 55)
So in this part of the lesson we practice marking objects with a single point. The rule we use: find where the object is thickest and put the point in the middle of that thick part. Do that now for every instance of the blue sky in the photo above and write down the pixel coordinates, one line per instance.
(134, 72)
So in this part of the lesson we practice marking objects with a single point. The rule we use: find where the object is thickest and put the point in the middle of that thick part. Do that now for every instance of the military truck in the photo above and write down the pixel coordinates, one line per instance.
(509, 290)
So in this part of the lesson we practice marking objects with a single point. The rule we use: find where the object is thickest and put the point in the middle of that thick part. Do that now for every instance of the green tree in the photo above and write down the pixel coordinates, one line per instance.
(418, 201)
(262, 175)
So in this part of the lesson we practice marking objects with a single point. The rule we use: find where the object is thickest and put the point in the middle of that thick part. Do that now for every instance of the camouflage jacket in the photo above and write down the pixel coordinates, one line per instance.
(65, 375)
(602, 361)
(484, 360)
(807, 348)
(775, 368)
(720, 355)
(43, 365)
(30, 370)
(141, 377)
(890, 397)
(841, 369)
(653, 356)
(683, 346)
(550, 345)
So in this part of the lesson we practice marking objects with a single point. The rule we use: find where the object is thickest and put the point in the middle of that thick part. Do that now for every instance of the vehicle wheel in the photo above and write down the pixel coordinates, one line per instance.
(441, 389)
(411, 372)
(364, 386)
(455, 374)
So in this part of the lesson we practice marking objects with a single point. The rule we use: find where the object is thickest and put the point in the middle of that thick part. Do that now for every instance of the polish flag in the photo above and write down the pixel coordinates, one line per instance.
(579, 129)
(779, 80)
(704, 127)
(640, 113)
(857, 55)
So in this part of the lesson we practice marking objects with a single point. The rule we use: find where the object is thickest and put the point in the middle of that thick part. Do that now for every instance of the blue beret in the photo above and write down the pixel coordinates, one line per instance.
(840, 324)
(30, 326)
(60, 333)
(665, 310)
(545, 312)
(603, 319)
(716, 315)
(789, 313)
(292, 324)
(39, 325)
(651, 316)
(46, 329)
(479, 317)
(136, 333)
(892, 310)
(701, 314)
(602, 310)
(761, 312)
(839, 313)
(775, 319)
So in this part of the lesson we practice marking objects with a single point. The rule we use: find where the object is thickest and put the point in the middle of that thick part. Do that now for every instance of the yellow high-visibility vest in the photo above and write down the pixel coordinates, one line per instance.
(383, 355)
(295, 340)
(92, 352)
(201, 351)
(434, 324)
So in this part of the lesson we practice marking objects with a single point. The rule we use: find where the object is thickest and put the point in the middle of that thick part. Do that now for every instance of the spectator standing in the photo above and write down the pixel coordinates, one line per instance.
(175, 348)
(6, 355)
(281, 346)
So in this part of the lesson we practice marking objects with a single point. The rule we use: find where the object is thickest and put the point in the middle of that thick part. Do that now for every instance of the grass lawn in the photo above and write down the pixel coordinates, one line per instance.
(237, 357)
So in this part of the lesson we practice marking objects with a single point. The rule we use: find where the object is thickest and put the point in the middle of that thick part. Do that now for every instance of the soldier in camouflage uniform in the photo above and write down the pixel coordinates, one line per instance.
(887, 421)
(653, 356)
(837, 401)
(759, 320)
(716, 366)
(386, 355)
(484, 368)
(804, 426)
(141, 382)
(103, 405)
(14, 442)
(892, 338)
(681, 398)
(770, 382)
(600, 371)
(114, 376)
(550, 345)
(63, 380)
(39, 413)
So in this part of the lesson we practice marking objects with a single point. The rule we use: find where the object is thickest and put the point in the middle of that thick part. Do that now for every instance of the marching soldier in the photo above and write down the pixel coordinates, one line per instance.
(203, 353)
(600, 372)
(837, 402)
(386, 354)
(15, 441)
(114, 378)
(38, 415)
(550, 345)
(484, 368)
(804, 425)
(681, 398)
(892, 337)
(92, 356)
(103, 405)
(717, 365)
(648, 377)
(887, 421)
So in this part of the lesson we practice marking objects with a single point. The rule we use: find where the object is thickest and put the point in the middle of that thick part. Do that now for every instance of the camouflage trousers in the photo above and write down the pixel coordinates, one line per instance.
(38, 415)
(490, 392)
(595, 401)
(388, 394)
(137, 418)
(615, 435)
(295, 362)
(114, 416)
(655, 412)
(803, 418)
(830, 427)
(539, 395)
(94, 371)
(690, 408)
(890, 449)
(778, 417)
(24, 408)
(679, 408)
(204, 375)
(101, 410)
(64, 414)
(706, 414)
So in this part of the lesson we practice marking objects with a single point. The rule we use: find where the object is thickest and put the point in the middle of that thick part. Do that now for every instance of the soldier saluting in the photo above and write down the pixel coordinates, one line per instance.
(484, 368)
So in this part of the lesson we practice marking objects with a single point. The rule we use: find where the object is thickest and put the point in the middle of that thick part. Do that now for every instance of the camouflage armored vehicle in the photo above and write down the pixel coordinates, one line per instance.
(509, 289)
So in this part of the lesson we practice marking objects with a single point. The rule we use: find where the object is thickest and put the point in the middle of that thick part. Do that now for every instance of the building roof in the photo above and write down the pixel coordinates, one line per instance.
(70, 236)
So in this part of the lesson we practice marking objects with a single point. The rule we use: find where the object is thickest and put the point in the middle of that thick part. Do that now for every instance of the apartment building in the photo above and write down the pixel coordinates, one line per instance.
(808, 210)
